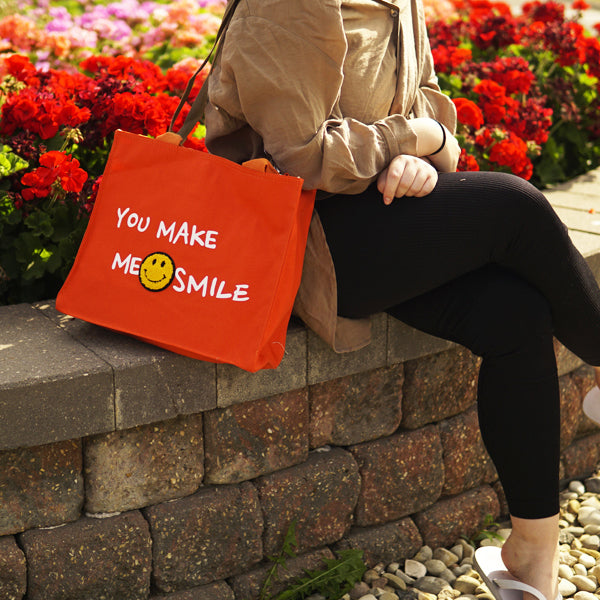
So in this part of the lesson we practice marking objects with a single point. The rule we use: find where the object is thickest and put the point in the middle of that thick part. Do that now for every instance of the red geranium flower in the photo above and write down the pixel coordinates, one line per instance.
(54, 167)
(468, 113)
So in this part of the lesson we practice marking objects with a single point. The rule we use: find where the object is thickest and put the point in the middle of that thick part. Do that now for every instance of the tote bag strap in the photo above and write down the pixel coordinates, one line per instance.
(196, 113)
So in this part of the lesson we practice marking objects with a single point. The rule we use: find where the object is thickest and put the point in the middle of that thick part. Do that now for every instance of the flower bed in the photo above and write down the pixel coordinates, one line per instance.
(526, 89)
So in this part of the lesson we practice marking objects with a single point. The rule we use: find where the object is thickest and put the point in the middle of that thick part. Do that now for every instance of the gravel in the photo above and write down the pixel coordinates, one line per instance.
(447, 573)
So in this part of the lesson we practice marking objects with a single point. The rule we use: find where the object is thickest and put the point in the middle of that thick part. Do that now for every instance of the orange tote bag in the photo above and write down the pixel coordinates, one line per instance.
(192, 252)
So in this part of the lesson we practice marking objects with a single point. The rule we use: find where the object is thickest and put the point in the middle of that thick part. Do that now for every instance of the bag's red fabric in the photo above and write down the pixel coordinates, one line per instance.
(192, 252)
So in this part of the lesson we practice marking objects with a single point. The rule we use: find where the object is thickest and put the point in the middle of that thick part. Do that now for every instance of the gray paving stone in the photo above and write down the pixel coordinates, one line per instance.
(579, 219)
(51, 387)
(406, 343)
(324, 364)
(235, 385)
(151, 384)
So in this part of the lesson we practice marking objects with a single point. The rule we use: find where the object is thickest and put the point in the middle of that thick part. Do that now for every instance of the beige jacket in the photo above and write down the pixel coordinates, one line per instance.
(326, 89)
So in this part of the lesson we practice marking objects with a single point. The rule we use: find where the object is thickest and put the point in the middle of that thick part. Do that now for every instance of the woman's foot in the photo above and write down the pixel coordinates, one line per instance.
(531, 554)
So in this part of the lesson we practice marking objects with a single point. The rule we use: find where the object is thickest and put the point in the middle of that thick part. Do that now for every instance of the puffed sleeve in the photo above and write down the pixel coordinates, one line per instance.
(282, 74)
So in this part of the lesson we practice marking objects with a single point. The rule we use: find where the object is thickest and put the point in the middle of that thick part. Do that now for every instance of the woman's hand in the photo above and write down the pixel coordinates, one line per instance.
(170, 137)
(406, 176)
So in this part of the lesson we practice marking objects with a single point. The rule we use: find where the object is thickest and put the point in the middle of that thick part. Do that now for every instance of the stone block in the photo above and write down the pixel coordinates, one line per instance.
(582, 457)
(91, 558)
(356, 408)
(439, 386)
(143, 466)
(406, 343)
(400, 474)
(320, 494)
(570, 409)
(249, 585)
(235, 385)
(443, 523)
(212, 535)
(466, 462)
(40, 486)
(384, 543)
(213, 591)
(566, 361)
(584, 379)
(324, 364)
(151, 384)
(44, 374)
(255, 438)
(13, 570)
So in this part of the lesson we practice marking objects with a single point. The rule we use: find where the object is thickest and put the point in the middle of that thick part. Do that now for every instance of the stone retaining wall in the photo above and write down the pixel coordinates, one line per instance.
(385, 460)
(128, 472)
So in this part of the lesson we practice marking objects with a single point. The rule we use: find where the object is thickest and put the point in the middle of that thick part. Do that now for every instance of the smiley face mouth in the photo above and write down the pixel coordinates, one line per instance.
(154, 280)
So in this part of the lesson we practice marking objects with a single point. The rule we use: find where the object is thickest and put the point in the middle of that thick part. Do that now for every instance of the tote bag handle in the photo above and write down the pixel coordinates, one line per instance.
(196, 113)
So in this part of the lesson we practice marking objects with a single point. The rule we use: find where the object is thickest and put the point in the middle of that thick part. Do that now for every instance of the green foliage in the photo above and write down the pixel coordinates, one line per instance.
(37, 249)
(333, 581)
(336, 578)
(487, 532)
(9, 163)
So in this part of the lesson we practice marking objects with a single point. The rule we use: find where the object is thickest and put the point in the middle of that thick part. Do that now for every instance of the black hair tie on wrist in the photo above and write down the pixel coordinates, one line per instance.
(443, 139)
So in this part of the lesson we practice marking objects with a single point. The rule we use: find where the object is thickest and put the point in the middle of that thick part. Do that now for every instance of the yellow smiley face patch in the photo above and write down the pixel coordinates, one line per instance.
(157, 271)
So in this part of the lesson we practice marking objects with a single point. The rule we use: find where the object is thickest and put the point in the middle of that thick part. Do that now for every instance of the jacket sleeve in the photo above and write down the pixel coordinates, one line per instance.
(284, 80)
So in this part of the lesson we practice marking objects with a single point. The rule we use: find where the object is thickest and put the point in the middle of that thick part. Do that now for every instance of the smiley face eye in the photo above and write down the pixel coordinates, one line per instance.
(153, 262)
(163, 263)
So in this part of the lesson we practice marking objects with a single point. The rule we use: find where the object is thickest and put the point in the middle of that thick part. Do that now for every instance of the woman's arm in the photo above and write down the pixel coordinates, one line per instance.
(285, 82)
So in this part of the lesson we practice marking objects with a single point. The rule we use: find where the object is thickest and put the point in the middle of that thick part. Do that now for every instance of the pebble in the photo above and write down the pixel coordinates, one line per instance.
(585, 584)
(587, 561)
(406, 578)
(395, 581)
(370, 576)
(424, 554)
(359, 590)
(565, 572)
(446, 556)
(566, 587)
(415, 569)
(590, 541)
(466, 585)
(591, 501)
(457, 551)
(435, 567)
(589, 515)
(593, 485)
(433, 585)
(447, 574)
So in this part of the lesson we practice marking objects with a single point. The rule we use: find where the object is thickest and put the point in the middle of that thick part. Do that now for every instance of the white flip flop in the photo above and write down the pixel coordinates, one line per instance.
(591, 405)
(488, 563)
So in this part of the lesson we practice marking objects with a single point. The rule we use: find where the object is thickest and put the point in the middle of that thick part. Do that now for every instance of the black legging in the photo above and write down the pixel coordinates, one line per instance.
(483, 261)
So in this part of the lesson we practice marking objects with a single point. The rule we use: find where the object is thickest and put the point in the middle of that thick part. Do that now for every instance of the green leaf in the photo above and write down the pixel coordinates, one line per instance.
(10, 162)
(40, 223)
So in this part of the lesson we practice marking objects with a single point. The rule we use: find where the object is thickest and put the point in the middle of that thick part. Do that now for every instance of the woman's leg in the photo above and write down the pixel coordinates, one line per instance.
(387, 254)
(508, 323)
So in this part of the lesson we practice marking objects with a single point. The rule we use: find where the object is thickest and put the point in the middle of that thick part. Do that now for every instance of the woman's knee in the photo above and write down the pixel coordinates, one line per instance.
(510, 315)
